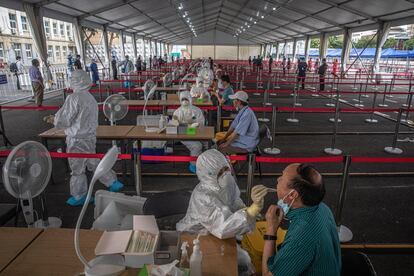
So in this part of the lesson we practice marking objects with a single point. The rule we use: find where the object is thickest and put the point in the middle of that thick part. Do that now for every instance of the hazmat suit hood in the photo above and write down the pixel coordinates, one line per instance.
(186, 95)
(209, 164)
(215, 203)
(80, 81)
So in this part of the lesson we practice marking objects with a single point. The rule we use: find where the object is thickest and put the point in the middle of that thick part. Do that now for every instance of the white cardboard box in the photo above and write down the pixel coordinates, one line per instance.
(117, 242)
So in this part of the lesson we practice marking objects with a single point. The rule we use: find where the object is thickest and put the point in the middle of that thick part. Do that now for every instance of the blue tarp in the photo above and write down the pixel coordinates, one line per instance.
(367, 53)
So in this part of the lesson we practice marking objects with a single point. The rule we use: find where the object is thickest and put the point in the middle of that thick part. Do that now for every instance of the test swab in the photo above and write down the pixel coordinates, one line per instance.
(271, 190)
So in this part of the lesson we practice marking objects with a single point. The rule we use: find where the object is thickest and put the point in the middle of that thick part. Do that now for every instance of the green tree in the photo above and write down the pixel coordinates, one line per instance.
(315, 42)
(335, 41)
(390, 43)
(409, 44)
(366, 41)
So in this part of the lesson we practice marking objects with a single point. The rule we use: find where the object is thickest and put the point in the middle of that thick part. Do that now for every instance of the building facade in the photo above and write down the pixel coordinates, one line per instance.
(16, 40)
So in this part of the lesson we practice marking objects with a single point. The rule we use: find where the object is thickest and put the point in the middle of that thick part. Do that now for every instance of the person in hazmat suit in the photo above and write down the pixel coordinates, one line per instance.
(215, 205)
(79, 118)
(190, 115)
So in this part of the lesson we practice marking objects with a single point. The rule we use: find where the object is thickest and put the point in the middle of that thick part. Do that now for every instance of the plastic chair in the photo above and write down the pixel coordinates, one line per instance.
(356, 263)
(167, 207)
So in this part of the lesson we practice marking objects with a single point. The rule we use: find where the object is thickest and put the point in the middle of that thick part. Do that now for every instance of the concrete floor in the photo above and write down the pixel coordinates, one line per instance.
(378, 208)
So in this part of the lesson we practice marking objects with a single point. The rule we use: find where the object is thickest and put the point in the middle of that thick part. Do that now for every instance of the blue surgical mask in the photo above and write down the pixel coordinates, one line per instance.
(285, 207)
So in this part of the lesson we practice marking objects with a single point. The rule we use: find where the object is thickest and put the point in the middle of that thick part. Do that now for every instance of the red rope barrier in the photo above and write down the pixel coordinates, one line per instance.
(334, 159)
(359, 159)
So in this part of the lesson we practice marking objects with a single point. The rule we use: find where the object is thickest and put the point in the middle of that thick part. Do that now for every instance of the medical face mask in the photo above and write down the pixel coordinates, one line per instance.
(227, 184)
(285, 207)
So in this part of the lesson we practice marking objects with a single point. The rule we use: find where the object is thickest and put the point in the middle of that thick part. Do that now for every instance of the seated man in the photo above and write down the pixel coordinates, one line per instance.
(311, 245)
(243, 135)
(188, 114)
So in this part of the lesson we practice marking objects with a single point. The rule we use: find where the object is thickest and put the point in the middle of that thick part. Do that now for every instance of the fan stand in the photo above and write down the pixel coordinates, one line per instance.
(110, 265)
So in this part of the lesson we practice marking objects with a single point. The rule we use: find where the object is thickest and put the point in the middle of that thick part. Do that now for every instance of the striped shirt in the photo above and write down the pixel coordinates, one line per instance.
(311, 246)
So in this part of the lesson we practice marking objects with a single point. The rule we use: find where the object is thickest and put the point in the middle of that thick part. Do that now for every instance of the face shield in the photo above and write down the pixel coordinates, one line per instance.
(80, 81)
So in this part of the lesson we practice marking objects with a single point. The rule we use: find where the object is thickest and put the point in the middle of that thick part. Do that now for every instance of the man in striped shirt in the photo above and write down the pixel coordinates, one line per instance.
(311, 245)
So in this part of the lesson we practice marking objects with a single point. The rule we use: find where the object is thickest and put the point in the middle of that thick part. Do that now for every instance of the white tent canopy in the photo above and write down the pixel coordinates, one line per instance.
(276, 20)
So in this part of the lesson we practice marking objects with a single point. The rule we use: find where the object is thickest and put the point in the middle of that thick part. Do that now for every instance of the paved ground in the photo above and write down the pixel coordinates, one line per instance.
(378, 205)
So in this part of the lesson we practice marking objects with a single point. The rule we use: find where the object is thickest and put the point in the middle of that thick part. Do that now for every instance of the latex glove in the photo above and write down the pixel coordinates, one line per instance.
(257, 195)
(194, 125)
(49, 119)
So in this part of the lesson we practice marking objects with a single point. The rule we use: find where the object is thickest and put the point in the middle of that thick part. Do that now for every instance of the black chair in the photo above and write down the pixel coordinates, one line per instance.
(167, 207)
(355, 263)
(8, 211)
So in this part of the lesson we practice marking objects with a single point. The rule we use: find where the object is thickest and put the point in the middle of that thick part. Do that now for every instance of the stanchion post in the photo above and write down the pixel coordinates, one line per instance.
(393, 149)
(359, 104)
(383, 104)
(409, 101)
(137, 175)
(345, 234)
(250, 176)
(332, 150)
(3, 129)
(219, 111)
(371, 119)
(336, 118)
(293, 119)
(273, 149)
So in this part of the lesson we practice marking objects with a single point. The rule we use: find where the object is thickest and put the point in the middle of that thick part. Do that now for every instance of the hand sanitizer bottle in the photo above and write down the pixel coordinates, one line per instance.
(195, 260)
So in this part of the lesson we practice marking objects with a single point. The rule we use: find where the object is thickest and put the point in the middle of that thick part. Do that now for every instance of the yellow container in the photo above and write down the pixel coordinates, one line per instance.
(253, 243)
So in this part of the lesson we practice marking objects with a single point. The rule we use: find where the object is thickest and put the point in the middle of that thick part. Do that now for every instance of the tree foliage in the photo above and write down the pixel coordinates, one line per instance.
(336, 41)
(409, 44)
(315, 42)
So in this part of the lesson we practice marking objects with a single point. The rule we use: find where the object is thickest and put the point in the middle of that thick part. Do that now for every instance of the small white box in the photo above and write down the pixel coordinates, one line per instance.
(171, 129)
(119, 242)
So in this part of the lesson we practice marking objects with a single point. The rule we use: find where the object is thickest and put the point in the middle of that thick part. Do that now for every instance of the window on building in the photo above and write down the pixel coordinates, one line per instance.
(24, 23)
(17, 47)
(57, 52)
(68, 31)
(12, 20)
(55, 32)
(62, 30)
(50, 52)
(64, 51)
(1, 50)
(28, 48)
(47, 27)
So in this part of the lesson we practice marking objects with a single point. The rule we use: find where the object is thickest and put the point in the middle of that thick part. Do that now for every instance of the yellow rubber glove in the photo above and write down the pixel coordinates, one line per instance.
(257, 195)
(49, 119)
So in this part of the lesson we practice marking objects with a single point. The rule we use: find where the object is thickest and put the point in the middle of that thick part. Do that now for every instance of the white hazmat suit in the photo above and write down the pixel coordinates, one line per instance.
(188, 114)
(79, 118)
(215, 203)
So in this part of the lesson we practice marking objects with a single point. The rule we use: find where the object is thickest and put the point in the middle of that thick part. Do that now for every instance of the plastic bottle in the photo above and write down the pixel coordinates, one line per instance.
(184, 263)
(161, 122)
(195, 260)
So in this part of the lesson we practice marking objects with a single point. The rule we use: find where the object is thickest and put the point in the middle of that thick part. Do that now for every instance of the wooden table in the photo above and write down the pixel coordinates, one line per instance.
(13, 241)
(174, 101)
(202, 134)
(213, 262)
(53, 253)
(104, 132)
